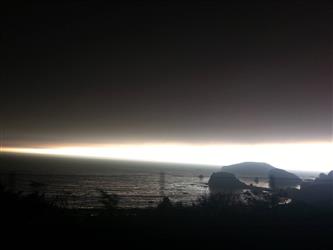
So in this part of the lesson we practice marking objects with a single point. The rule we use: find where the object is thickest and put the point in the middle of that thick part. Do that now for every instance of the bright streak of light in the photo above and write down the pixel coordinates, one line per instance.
(307, 156)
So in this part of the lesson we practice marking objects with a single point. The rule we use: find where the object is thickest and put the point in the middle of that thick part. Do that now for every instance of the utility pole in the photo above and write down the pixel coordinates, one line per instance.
(1, 140)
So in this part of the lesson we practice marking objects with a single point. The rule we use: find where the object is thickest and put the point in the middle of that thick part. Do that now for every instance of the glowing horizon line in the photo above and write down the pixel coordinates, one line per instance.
(37, 151)
(292, 156)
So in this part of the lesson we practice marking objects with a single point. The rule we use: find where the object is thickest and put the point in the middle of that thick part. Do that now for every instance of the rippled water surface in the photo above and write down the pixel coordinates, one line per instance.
(78, 181)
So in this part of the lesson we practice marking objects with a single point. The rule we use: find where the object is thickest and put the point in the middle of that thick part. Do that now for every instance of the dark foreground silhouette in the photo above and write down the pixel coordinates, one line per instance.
(220, 221)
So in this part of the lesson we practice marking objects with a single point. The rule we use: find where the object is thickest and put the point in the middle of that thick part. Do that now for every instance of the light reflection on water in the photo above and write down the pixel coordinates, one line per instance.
(134, 189)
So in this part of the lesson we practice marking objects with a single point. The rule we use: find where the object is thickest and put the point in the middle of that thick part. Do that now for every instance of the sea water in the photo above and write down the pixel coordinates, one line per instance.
(77, 182)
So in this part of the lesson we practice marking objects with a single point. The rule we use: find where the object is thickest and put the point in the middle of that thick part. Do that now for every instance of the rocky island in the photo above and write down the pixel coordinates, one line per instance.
(230, 177)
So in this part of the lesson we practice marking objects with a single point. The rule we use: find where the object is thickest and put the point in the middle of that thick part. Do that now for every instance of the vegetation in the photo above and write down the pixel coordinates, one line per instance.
(208, 220)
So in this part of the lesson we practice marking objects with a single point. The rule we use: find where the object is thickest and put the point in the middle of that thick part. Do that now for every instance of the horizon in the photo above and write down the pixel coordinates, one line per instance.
(315, 157)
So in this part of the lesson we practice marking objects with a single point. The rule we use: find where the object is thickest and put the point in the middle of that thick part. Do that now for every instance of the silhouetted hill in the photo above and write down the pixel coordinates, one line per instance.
(324, 179)
(279, 178)
(249, 169)
(319, 192)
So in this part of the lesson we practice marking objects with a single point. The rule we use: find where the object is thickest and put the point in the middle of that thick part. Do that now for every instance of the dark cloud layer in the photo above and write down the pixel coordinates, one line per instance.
(204, 72)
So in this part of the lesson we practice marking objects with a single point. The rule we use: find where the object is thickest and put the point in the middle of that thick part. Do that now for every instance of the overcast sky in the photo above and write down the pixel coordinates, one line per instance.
(187, 73)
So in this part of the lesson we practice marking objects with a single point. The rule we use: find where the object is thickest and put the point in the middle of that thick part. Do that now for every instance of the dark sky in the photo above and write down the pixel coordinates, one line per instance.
(137, 72)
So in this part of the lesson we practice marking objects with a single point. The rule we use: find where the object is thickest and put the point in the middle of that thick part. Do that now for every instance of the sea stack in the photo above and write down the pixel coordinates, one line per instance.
(225, 182)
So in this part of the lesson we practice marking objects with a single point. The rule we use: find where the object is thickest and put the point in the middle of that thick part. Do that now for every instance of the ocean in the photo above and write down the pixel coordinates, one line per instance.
(76, 182)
